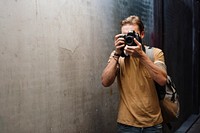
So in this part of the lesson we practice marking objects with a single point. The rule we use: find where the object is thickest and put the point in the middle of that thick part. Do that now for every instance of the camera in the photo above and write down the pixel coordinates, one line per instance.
(129, 40)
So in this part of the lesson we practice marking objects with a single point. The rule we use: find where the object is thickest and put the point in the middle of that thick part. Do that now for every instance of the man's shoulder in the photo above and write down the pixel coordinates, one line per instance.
(152, 47)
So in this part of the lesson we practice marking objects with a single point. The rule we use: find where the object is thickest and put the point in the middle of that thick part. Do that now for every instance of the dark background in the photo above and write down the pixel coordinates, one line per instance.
(178, 35)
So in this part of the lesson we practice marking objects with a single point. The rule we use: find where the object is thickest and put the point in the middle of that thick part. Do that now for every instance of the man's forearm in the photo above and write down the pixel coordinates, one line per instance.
(110, 72)
(158, 74)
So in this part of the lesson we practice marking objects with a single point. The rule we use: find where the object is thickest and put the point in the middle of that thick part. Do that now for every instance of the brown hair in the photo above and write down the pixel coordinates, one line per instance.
(133, 20)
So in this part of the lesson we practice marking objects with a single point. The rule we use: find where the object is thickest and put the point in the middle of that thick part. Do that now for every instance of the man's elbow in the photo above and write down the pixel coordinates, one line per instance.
(105, 82)
(163, 81)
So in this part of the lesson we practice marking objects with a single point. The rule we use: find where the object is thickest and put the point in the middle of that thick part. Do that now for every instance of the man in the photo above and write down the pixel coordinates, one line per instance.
(139, 109)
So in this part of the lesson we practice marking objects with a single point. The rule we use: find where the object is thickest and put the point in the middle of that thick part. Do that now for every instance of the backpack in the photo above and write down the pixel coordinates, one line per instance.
(168, 97)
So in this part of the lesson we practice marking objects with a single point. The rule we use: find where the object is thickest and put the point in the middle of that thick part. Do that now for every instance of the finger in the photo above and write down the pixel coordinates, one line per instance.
(119, 42)
(131, 47)
(137, 42)
(119, 36)
(128, 50)
(119, 47)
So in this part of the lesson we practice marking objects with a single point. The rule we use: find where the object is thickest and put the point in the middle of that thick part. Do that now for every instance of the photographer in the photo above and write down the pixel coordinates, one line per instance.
(139, 109)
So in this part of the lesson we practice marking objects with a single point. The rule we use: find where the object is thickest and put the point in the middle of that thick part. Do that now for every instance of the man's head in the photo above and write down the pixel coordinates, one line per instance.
(132, 23)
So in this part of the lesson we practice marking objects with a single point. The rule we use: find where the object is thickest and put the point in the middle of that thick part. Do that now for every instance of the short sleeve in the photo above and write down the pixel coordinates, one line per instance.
(159, 59)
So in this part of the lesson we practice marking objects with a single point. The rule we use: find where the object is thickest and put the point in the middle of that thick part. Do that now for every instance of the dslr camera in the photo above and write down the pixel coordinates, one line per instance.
(129, 40)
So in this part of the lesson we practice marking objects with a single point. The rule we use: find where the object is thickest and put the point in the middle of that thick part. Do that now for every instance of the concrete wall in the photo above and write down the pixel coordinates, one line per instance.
(52, 53)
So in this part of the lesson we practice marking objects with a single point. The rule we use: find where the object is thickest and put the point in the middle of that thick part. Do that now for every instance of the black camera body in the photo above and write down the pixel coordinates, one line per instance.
(129, 40)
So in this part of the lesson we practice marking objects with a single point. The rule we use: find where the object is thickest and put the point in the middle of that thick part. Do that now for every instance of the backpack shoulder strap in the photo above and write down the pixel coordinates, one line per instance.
(149, 52)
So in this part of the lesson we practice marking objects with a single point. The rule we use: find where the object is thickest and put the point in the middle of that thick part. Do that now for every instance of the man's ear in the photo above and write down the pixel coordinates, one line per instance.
(142, 34)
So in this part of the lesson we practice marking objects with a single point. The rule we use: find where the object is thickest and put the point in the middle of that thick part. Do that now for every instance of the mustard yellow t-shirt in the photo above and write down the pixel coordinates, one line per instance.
(139, 104)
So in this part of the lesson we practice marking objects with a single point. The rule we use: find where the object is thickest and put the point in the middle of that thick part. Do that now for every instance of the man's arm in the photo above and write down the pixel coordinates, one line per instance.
(158, 74)
(110, 72)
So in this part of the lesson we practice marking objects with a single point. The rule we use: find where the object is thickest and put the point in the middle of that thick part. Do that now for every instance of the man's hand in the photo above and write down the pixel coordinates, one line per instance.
(119, 43)
(135, 51)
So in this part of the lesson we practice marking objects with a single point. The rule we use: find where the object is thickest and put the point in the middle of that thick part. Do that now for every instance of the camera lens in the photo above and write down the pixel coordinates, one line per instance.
(129, 40)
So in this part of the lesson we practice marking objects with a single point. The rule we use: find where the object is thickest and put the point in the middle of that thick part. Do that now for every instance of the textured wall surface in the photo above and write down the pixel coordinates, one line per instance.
(52, 55)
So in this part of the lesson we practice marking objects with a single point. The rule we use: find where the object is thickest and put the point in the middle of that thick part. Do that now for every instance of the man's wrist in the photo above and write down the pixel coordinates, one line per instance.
(116, 54)
(115, 57)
